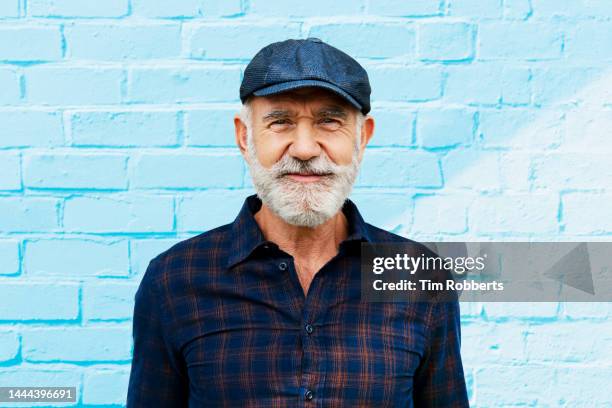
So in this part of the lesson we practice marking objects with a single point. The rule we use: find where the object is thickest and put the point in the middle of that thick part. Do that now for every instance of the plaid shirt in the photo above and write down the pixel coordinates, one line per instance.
(221, 320)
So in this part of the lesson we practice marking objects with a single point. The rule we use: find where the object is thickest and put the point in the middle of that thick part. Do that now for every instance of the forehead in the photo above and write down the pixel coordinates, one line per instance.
(305, 98)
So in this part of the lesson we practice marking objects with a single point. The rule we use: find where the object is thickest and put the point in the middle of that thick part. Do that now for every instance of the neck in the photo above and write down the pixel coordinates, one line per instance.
(303, 241)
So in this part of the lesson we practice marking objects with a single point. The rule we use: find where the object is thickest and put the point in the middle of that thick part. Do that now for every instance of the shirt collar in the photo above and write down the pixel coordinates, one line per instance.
(246, 235)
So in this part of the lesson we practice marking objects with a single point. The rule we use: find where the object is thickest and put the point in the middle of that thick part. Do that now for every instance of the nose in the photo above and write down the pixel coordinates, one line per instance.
(304, 145)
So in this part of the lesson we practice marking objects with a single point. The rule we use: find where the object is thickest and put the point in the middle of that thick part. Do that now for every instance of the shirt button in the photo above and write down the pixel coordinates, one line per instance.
(308, 395)
(282, 266)
(309, 328)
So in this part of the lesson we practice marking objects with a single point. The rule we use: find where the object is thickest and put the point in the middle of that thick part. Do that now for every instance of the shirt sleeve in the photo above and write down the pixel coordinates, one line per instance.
(155, 378)
(439, 380)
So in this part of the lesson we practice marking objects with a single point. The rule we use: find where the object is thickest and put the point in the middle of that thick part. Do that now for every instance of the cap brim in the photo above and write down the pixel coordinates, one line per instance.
(303, 83)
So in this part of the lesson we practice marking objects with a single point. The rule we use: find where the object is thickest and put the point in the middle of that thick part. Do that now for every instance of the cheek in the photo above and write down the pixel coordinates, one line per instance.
(340, 150)
(269, 152)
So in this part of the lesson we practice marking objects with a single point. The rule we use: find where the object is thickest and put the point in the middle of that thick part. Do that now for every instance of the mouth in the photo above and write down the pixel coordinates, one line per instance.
(307, 177)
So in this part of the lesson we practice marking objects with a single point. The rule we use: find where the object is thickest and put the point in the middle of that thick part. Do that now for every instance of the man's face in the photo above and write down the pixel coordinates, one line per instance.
(303, 149)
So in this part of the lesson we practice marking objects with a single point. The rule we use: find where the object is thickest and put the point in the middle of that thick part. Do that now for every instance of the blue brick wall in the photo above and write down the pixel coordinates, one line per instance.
(493, 122)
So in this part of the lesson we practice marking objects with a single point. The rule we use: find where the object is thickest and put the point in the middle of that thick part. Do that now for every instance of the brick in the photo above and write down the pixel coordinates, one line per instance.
(520, 128)
(28, 214)
(30, 301)
(517, 9)
(40, 377)
(29, 128)
(492, 343)
(9, 8)
(399, 168)
(210, 127)
(119, 213)
(405, 84)
(233, 41)
(191, 218)
(30, 43)
(559, 85)
(571, 8)
(310, 9)
(590, 390)
(77, 8)
(525, 386)
(515, 171)
(435, 214)
(586, 130)
(75, 171)
(188, 170)
(533, 311)
(73, 86)
(9, 82)
(105, 387)
(526, 213)
(589, 41)
(586, 213)
(414, 8)
(9, 346)
(10, 171)
(444, 128)
(77, 344)
(108, 300)
(77, 257)
(471, 169)
(124, 128)
(368, 40)
(121, 41)
(519, 41)
(476, 9)
(184, 84)
(572, 170)
(446, 42)
(9, 257)
(143, 250)
(182, 9)
(397, 212)
(393, 127)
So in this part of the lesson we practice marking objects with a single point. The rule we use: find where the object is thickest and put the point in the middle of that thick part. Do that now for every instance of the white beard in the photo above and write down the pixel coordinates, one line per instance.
(306, 204)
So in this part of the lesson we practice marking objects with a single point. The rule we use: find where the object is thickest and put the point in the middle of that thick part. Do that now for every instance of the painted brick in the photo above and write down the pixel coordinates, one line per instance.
(108, 300)
(444, 128)
(393, 127)
(184, 84)
(517, 9)
(586, 213)
(222, 41)
(124, 128)
(105, 387)
(119, 213)
(446, 41)
(9, 346)
(553, 86)
(471, 169)
(305, 9)
(520, 128)
(163, 9)
(39, 377)
(28, 214)
(77, 8)
(9, 257)
(210, 127)
(9, 82)
(76, 257)
(75, 171)
(143, 250)
(589, 40)
(188, 170)
(571, 8)
(399, 168)
(30, 128)
(405, 84)
(415, 8)
(10, 171)
(122, 41)
(440, 213)
(366, 40)
(397, 212)
(515, 214)
(9, 8)
(73, 86)
(572, 170)
(519, 41)
(586, 130)
(30, 43)
(515, 171)
(475, 8)
(191, 215)
(77, 344)
(31, 300)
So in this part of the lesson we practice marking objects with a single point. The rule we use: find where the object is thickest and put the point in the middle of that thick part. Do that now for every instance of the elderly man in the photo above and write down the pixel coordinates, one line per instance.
(266, 311)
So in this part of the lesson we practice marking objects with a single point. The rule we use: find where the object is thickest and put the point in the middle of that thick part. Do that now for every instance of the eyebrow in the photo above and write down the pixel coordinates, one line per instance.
(328, 111)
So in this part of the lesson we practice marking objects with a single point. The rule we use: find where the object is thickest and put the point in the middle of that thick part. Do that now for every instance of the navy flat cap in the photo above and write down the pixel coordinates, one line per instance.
(293, 64)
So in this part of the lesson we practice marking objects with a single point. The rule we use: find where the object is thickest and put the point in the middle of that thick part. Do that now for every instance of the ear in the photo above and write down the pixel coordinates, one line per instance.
(240, 131)
(367, 131)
